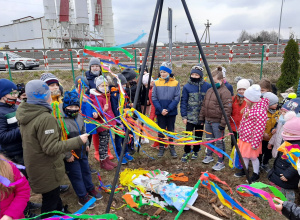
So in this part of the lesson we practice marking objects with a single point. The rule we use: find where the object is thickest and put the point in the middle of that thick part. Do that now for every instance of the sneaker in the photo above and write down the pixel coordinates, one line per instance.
(173, 152)
(128, 157)
(218, 166)
(124, 161)
(185, 157)
(33, 206)
(240, 174)
(208, 159)
(63, 188)
(96, 194)
(254, 177)
(265, 167)
(194, 155)
(82, 201)
(93, 171)
(161, 152)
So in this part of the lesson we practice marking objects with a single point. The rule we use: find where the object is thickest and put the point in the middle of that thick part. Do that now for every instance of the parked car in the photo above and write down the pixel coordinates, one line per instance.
(17, 62)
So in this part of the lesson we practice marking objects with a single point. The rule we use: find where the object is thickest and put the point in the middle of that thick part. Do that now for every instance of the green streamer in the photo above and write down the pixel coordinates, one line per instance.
(102, 49)
(275, 191)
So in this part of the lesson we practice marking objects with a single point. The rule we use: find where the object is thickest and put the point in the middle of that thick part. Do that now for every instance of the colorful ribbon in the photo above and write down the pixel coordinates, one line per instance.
(133, 42)
(102, 49)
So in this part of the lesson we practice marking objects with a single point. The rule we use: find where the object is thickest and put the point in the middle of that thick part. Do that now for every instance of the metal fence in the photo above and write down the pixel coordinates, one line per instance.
(215, 53)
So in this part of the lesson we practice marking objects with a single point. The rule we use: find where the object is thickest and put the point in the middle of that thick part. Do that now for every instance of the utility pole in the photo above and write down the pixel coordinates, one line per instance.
(206, 31)
(278, 38)
(175, 32)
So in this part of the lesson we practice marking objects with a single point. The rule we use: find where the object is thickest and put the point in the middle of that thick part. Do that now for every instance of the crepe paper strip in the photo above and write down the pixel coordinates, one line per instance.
(99, 56)
(102, 49)
(129, 200)
(274, 190)
(6, 182)
(179, 177)
(144, 214)
(134, 41)
(76, 216)
(107, 188)
(119, 207)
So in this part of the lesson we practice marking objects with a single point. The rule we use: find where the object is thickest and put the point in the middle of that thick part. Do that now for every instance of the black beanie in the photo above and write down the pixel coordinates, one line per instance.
(129, 74)
(121, 78)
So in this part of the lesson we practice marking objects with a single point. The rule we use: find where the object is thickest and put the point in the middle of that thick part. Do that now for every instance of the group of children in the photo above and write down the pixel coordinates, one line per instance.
(51, 146)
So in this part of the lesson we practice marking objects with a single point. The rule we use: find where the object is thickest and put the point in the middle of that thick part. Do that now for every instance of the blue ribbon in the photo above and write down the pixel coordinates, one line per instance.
(133, 42)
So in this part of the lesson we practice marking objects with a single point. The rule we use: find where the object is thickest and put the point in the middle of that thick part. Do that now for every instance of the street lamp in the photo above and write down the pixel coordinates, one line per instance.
(278, 38)
(175, 33)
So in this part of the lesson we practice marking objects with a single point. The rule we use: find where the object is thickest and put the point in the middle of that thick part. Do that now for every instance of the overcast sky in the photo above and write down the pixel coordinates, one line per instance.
(228, 17)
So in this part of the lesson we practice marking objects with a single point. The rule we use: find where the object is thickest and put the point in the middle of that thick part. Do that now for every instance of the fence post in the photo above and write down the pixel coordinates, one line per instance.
(7, 62)
(262, 60)
(78, 59)
(72, 66)
(135, 62)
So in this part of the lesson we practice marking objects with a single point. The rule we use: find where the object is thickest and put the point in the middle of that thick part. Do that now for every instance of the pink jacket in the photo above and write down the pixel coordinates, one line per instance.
(14, 205)
(252, 129)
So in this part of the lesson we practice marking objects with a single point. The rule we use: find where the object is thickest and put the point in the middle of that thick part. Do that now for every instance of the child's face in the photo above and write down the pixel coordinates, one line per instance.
(103, 87)
(216, 80)
(283, 111)
(264, 90)
(288, 134)
(53, 87)
(95, 68)
(273, 107)
(164, 74)
(241, 91)
(195, 75)
(73, 107)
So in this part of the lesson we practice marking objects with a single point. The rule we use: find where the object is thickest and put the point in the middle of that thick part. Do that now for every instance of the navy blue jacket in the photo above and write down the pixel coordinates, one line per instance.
(10, 136)
(91, 78)
(229, 87)
(191, 100)
(282, 166)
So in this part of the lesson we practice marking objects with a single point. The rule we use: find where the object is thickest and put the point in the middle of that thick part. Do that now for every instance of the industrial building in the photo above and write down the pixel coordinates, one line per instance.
(65, 24)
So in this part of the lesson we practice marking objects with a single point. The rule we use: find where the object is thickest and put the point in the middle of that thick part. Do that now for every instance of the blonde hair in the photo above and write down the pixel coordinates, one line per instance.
(217, 73)
(7, 172)
(247, 113)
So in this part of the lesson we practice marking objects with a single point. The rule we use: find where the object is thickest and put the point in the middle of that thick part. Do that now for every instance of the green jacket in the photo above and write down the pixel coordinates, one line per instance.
(43, 149)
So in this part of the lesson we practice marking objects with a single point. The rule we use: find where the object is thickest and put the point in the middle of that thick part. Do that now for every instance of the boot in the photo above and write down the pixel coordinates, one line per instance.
(161, 151)
(172, 151)
(96, 146)
(111, 163)
(110, 156)
(105, 166)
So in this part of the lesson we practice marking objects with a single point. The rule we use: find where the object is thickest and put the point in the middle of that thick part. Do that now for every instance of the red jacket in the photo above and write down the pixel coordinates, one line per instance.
(14, 204)
(236, 113)
(152, 109)
(95, 95)
(252, 128)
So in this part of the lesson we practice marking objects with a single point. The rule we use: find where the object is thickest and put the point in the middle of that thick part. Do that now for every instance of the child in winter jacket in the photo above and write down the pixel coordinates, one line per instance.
(93, 72)
(238, 104)
(53, 83)
(76, 162)
(165, 97)
(283, 174)
(115, 98)
(101, 99)
(13, 199)
(211, 114)
(22, 95)
(289, 209)
(227, 84)
(252, 128)
(273, 116)
(191, 101)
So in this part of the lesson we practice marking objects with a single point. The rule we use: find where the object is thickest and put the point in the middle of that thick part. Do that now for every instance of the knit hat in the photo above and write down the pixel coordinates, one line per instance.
(224, 72)
(291, 126)
(49, 78)
(243, 84)
(166, 66)
(272, 98)
(121, 78)
(83, 79)
(129, 74)
(198, 70)
(99, 80)
(253, 93)
(292, 105)
(70, 98)
(146, 79)
(6, 87)
(38, 93)
(94, 61)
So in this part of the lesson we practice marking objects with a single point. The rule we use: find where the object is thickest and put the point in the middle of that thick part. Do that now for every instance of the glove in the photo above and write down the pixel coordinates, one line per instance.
(221, 128)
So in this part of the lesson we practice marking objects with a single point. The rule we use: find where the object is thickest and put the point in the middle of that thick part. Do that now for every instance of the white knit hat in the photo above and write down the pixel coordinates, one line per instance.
(224, 72)
(243, 84)
(253, 93)
(99, 80)
(146, 79)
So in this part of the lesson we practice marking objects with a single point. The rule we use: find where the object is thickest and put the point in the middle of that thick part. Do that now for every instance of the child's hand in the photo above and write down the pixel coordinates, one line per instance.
(283, 178)
(266, 136)
(274, 131)
(131, 105)
(184, 121)
(6, 217)
(87, 148)
(164, 112)
(105, 107)
(278, 206)
(95, 115)
(71, 159)
(84, 137)
(270, 146)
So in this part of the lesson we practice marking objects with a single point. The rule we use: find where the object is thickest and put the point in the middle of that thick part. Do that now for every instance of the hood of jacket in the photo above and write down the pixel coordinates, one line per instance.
(263, 104)
(27, 112)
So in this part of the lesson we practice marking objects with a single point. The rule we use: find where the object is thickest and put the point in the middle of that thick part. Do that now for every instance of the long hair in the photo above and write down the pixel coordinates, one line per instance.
(7, 172)
(247, 113)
